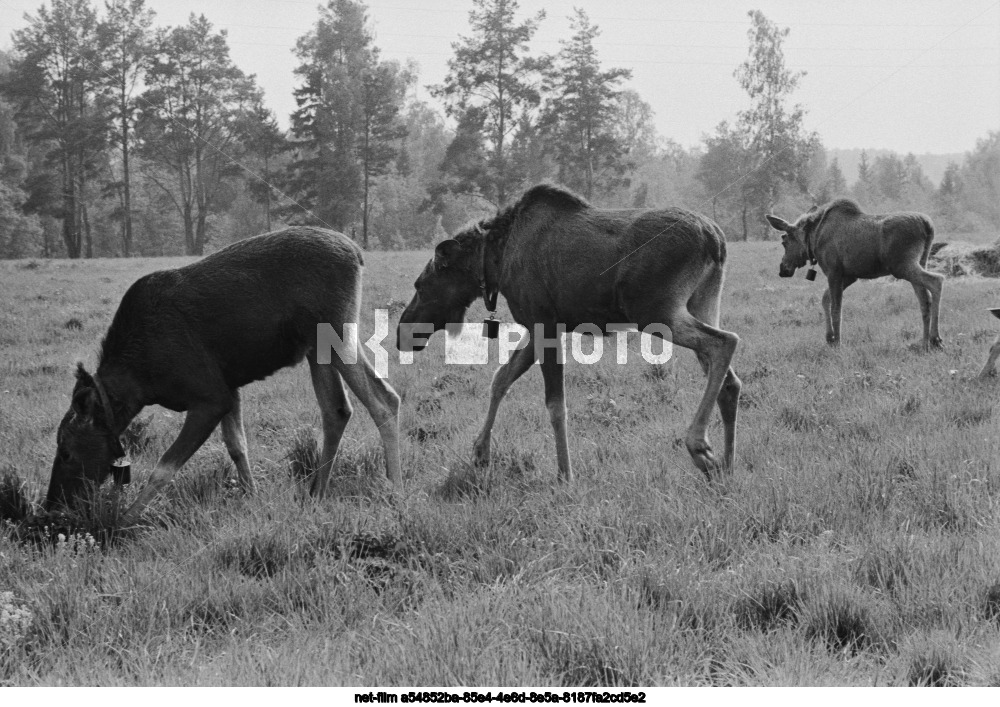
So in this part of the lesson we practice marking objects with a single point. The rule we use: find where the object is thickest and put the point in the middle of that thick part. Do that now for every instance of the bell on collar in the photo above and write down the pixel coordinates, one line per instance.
(491, 327)
(121, 471)
(811, 274)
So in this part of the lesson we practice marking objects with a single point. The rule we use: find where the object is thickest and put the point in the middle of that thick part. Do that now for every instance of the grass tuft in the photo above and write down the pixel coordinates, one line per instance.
(303, 455)
(768, 606)
(15, 502)
(991, 602)
(883, 569)
(259, 557)
(586, 663)
(936, 666)
(840, 621)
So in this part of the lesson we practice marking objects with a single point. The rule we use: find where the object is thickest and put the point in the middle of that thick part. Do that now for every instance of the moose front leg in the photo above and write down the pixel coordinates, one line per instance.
(198, 427)
(832, 300)
(555, 401)
(521, 360)
(831, 338)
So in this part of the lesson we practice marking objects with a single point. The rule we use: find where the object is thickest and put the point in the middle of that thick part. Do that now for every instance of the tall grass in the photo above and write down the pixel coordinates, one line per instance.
(855, 543)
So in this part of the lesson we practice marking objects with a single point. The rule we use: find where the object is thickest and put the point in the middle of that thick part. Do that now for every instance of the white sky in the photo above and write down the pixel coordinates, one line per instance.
(907, 75)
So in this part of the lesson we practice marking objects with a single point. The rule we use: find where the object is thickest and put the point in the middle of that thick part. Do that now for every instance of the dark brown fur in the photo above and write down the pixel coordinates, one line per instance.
(850, 245)
(188, 339)
(559, 261)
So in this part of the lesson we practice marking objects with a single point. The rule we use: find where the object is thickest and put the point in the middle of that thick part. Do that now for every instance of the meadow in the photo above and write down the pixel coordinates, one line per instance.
(856, 542)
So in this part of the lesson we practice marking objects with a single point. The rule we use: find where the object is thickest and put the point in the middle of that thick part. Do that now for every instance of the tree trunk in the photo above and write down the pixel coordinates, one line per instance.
(364, 213)
(126, 187)
(69, 226)
(200, 229)
(85, 221)
(267, 191)
(188, 230)
(744, 214)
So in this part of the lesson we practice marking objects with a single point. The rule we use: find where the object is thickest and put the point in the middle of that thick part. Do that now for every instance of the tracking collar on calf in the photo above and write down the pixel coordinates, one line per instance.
(489, 291)
(121, 463)
(810, 255)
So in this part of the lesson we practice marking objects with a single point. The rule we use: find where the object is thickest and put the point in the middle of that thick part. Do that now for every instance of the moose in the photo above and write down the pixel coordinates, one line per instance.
(189, 338)
(994, 351)
(850, 245)
(561, 263)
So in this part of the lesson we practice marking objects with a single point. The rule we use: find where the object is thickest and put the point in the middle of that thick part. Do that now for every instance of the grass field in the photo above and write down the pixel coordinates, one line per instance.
(857, 542)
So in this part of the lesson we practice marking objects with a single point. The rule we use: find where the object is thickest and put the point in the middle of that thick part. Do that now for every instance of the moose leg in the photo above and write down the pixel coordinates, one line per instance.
(704, 305)
(236, 443)
(827, 317)
(728, 401)
(934, 284)
(990, 360)
(555, 401)
(335, 409)
(924, 298)
(836, 293)
(381, 402)
(717, 348)
(198, 426)
(520, 361)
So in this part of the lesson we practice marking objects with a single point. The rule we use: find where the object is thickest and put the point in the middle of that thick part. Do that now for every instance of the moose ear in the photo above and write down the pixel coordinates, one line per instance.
(83, 379)
(84, 403)
(778, 223)
(446, 253)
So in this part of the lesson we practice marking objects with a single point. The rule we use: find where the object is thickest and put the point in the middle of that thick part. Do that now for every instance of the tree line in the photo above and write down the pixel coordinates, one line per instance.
(119, 138)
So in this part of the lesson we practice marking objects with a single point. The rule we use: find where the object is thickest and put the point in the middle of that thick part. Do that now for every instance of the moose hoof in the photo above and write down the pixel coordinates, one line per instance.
(704, 459)
(481, 454)
(832, 340)
(936, 343)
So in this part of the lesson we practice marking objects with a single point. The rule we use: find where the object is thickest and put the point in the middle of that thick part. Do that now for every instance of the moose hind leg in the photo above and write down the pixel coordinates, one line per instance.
(716, 347)
(934, 284)
(704, 305)
(924, 298)
(728, 401)
(335, 410)
(235, 439)
(381, 402)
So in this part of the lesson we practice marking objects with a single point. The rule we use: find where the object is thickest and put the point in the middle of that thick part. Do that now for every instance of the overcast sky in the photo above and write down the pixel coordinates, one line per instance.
(908, 75)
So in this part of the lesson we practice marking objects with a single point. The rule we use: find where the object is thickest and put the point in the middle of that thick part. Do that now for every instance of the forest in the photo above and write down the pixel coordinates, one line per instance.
(119, 137)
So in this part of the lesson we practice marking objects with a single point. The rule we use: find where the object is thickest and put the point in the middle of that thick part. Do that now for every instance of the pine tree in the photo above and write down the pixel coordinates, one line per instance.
(768, 143)
(347, 127)
(491, 84)
(579, 116)
(55, 86)
(190, 121)
(125, 37)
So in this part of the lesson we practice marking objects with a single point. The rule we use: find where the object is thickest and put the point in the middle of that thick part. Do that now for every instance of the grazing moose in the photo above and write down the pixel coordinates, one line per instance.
(189, 339)
(850, 245)
(991, 358)
(560, 263)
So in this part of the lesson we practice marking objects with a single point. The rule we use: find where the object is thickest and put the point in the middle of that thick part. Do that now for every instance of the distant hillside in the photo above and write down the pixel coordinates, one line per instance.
(933, 165)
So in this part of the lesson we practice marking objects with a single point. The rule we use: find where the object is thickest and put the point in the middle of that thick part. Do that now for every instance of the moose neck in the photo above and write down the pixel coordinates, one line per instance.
(118, 399)
(491, 266)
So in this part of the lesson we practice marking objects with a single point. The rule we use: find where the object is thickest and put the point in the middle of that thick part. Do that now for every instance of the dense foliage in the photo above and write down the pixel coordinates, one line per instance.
(119, 138)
